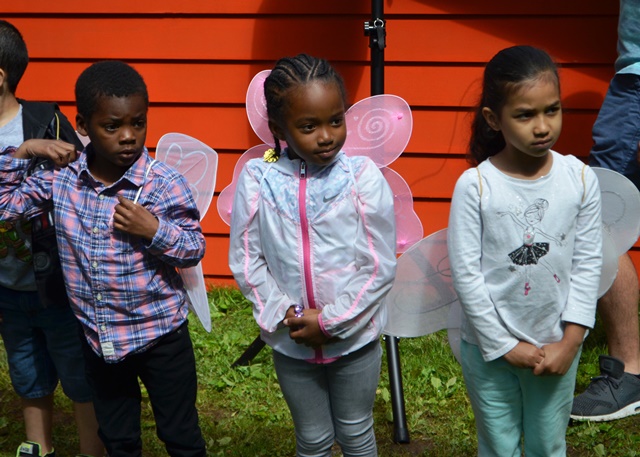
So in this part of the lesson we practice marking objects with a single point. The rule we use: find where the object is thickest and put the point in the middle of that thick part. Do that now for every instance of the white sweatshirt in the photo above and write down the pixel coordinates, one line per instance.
(525, 255)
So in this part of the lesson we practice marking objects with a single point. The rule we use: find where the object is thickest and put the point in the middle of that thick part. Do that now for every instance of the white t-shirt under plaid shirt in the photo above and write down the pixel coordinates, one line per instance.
(125, 292)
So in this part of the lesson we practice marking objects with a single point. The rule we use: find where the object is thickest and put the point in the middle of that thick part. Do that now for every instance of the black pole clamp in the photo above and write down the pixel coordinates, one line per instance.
(377, 33)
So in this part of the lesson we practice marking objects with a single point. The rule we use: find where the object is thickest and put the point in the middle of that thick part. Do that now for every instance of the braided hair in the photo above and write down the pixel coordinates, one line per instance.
(290, 73)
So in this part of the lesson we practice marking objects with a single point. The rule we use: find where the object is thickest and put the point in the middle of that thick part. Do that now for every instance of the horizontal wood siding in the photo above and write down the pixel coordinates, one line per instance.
(199, 56)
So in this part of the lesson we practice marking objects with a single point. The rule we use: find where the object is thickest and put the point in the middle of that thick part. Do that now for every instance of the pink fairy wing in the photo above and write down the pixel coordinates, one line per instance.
(408, 226)
(378, 127)
(257, 108)
(225, 199)
(196, 161)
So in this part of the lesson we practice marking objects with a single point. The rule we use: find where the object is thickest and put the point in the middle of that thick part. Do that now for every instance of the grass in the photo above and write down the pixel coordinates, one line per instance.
(243, 414)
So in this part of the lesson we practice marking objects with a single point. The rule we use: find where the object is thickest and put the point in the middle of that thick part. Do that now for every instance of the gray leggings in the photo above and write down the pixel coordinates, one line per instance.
(332, 401)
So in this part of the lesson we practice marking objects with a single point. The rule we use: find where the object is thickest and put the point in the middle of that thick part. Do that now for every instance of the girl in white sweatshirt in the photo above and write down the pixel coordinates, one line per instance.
(524, 243)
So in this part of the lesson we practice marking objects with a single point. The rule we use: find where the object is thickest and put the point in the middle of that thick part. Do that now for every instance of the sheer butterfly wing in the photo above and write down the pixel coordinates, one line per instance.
(620, 221)
(225, 199)
(419, 301)
(422, 299)
(257, 115)
(257, 108)
(620, 208)
(193, 280)
(378, 127)
(198, 163)
(408, 226)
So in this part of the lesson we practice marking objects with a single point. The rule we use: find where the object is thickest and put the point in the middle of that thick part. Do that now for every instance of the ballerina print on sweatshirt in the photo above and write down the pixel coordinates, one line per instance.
(532, 252)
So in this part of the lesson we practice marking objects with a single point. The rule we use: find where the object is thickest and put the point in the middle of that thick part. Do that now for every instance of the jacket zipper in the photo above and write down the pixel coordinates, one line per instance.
(306, 244)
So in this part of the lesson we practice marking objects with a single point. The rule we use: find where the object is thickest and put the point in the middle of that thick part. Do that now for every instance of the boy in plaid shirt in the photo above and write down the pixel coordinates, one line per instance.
(124, 222)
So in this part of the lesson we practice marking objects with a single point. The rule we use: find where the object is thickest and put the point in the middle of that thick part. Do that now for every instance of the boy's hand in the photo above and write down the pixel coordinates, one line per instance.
(59, 152)
(306, 329)
(134, 219)
(525, 355)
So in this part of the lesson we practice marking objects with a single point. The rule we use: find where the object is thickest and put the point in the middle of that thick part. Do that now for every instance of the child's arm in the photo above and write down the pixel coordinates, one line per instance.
(170, 223)
(246, 257)
(24, 198)
(581, 302)
(135, 219)
(579, 312)
(375, 259)
(525, 355)
(306, 329)
(464, 242)
(58, 151)
(559, 356)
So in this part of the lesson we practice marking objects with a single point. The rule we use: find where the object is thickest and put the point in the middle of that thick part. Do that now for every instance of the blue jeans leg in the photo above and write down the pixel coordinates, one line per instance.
(332, 402)
(616, 132)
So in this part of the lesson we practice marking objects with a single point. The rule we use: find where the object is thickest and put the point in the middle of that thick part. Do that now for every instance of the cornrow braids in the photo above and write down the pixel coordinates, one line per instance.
(290, 73)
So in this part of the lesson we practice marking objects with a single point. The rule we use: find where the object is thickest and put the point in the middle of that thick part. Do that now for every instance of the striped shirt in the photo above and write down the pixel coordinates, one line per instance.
(125, 292)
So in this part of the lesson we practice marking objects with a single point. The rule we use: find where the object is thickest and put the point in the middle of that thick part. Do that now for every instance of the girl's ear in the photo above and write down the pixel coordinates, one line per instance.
(81, 126)
(491, 118)
(276, 130)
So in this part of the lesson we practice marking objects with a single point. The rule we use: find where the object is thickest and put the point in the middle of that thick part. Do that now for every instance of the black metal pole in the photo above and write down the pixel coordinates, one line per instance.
(248, 355)
(377, 34)
(400, 430)
(377, 42)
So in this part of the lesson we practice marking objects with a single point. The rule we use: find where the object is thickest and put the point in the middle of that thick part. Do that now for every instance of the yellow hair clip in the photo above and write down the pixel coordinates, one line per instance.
(270, 155)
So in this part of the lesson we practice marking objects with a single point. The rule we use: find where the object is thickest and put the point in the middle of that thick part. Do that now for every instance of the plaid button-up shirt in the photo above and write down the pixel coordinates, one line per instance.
(125, 292)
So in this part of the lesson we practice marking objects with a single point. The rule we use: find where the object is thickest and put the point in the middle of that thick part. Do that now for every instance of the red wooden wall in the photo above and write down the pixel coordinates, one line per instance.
(199, 56)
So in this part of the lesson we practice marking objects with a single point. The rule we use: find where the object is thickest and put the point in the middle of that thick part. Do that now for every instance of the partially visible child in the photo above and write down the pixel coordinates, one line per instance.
(124, 222)
(313, 247)
(525, 245)
(40, 333)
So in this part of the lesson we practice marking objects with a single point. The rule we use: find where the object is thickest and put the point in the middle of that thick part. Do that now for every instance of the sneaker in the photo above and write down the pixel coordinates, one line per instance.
(32, 449)
(612, 395)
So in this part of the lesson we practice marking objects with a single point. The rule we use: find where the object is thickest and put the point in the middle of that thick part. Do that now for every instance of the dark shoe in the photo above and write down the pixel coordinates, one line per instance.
(612, 395)
(31, 449)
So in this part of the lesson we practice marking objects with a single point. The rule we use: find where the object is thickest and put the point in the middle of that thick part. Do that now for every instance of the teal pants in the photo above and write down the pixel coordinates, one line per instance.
(511, 403)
